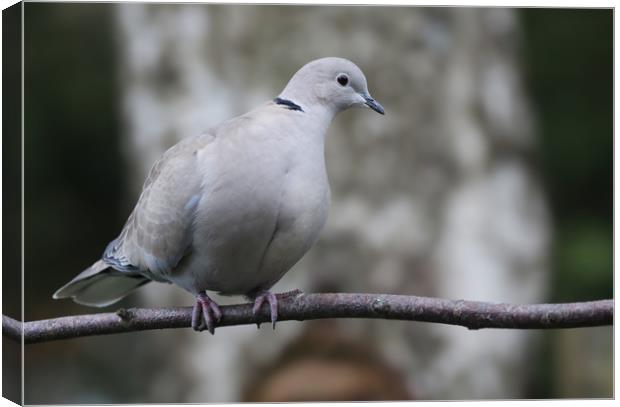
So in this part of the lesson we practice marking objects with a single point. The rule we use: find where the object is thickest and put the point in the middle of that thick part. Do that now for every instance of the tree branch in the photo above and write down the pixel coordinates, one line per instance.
(299, 306)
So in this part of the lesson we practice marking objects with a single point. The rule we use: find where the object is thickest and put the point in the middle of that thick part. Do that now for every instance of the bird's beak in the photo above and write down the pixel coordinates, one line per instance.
(373, 104)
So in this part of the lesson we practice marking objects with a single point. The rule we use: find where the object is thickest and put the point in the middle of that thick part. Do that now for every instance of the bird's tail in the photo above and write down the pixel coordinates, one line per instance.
(100, 286)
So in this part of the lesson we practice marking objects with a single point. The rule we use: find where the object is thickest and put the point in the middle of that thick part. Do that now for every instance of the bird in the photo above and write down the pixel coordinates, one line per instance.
(231, 210)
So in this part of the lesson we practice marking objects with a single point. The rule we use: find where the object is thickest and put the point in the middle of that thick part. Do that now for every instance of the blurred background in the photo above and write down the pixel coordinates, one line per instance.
(490, 178)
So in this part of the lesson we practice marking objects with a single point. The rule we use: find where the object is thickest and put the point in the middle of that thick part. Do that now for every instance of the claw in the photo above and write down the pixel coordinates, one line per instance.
(205, 314)
(273, 306)
(216, 311)
(258, 302)
(197, 322)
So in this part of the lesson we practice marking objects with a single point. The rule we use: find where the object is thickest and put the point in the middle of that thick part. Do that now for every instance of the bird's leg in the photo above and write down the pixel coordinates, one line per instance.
(206, 312)
(273, 305)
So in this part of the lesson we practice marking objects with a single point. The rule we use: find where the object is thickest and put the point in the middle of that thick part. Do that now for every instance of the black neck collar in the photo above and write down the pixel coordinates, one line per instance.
(290, 105)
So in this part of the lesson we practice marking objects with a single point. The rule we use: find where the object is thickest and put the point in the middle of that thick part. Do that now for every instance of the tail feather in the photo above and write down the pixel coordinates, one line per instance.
(98, 286)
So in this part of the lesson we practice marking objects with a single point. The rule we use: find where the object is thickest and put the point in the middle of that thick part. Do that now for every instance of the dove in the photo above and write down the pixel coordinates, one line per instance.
(233, 209)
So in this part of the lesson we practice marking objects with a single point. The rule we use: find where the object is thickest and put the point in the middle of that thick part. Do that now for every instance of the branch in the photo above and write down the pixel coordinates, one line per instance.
(301, 307)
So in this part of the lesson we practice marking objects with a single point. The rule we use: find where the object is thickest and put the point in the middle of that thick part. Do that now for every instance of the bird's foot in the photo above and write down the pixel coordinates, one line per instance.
(206, 313)
(273, 306)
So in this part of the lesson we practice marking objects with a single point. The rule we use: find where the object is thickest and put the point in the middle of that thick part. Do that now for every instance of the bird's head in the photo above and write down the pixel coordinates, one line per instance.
(336, 83)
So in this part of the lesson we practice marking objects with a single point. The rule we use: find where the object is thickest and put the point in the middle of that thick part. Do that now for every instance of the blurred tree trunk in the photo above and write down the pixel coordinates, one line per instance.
(437, 198)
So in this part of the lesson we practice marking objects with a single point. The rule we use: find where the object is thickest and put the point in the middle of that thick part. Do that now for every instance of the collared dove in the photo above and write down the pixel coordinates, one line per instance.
(233, 209)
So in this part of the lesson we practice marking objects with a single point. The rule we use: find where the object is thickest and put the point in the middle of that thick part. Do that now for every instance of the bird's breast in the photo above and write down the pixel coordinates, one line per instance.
(260, 210)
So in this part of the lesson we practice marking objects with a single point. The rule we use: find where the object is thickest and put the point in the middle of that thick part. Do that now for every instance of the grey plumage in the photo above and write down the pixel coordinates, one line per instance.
(100, 285)
(235, 208)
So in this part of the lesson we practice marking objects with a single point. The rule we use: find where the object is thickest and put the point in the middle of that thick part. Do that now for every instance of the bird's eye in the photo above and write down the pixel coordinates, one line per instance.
(343, 80)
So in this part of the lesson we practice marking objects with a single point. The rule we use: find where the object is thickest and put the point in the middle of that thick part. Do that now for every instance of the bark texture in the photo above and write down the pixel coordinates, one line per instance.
(301, 307)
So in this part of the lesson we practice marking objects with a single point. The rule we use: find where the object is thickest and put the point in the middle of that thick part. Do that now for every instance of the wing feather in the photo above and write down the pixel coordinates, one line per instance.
(159, 231)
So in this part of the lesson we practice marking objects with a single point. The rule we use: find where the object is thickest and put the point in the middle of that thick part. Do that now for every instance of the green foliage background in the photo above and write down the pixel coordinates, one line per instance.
(569, 56)
(569, 70)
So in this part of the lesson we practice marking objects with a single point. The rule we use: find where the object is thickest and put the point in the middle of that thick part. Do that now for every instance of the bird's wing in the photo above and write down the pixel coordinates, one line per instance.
(158, 233)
